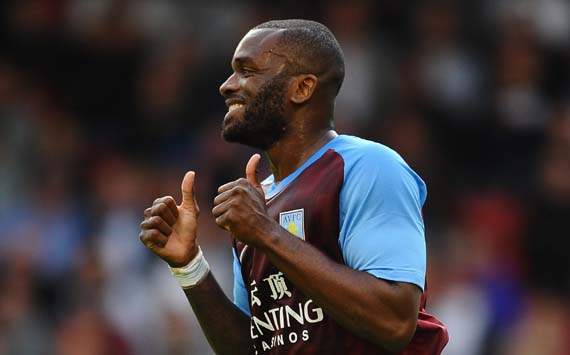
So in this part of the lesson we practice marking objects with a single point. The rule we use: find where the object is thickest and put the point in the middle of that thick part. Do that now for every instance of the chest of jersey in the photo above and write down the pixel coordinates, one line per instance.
(284, 320)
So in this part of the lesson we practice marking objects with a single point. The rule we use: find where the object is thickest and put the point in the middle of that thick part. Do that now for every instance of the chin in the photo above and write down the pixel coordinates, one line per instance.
(232, 135)
(235, 136)
(227, 136)
(259, 136)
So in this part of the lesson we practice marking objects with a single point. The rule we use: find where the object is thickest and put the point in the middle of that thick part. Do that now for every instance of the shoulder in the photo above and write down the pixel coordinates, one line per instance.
(359, 155)
(356, 152)
(369, 164)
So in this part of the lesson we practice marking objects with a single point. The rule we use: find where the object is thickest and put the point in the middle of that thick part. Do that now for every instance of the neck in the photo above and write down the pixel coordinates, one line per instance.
(293, 150)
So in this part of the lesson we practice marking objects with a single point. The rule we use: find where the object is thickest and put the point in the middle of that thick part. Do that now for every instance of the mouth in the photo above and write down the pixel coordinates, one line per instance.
(235, 106)
(234, 103)
(235, 109)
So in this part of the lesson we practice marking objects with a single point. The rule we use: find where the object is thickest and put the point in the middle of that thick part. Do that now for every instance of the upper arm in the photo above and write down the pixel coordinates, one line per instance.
(382, 229)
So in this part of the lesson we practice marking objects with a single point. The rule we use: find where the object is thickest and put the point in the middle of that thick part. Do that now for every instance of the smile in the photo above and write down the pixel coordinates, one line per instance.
(235, 106)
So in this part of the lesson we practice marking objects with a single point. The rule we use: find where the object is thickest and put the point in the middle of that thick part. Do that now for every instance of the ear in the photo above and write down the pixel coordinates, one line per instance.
(304, 86)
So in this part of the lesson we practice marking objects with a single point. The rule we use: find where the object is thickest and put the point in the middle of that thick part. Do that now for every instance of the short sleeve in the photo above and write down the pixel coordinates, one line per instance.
(240, 292)
(382, 230)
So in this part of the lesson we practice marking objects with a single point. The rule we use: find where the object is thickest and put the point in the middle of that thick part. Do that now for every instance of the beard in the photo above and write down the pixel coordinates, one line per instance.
(263, 122)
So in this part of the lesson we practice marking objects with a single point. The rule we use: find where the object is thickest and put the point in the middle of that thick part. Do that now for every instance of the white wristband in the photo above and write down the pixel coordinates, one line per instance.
(193, 273)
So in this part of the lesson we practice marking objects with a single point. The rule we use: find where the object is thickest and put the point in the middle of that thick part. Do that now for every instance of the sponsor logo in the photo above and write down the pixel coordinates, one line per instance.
(284, 324)
(277, 321)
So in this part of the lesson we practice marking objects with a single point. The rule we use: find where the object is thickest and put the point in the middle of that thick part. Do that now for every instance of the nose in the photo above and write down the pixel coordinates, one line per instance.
(230, 86)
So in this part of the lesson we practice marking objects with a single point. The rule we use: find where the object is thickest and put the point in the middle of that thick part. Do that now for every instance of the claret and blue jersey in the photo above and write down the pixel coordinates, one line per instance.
(359, 203)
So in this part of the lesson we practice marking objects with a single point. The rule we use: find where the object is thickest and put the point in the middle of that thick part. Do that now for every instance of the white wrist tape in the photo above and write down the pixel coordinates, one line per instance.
(193, 273)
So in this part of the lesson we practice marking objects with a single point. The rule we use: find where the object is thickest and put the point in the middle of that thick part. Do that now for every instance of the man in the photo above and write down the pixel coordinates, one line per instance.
(329, 251)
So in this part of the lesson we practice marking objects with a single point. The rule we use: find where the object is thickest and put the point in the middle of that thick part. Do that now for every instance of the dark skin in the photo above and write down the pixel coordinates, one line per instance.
(381, 311)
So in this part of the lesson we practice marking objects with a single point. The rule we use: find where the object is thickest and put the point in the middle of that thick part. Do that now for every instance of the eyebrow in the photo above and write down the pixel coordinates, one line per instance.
(241, 61)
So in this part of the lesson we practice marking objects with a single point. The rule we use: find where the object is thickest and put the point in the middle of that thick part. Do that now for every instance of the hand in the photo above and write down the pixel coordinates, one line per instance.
(240, 206)
(170, 230)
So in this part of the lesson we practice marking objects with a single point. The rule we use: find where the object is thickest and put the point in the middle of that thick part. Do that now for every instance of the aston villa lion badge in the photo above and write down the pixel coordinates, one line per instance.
(294, 222)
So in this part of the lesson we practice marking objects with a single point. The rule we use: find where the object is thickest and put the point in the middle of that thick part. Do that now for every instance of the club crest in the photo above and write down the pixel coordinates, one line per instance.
(294, 222)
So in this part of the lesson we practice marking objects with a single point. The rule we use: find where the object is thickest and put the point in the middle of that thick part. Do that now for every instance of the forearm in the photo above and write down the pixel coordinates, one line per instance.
(225, 326)
(357, 300)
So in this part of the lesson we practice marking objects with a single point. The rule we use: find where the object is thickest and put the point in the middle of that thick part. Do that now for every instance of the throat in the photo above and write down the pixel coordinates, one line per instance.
(290, 153)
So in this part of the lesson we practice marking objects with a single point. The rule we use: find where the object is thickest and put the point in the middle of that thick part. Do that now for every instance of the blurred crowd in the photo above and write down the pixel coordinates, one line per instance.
(104, 104)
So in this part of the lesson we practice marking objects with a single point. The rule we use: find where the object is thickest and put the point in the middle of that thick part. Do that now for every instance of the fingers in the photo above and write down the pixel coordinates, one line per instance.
(170, 203)
(156, 222)
(221, 208)
(153, 238)
(234, 189)
(224, 201)
(237, 187)
(234, 194)
(188, 196)
(163, 211)
(223, 220)
(230, 185)
(250, 170)
(222, 197)
(158, 219)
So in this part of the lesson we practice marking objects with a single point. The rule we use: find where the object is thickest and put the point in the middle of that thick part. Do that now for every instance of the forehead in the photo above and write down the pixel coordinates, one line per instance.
(257, 45)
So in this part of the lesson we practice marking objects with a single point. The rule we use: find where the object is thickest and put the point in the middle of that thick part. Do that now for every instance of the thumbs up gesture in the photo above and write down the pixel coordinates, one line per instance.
(240, 206)
(169, 230)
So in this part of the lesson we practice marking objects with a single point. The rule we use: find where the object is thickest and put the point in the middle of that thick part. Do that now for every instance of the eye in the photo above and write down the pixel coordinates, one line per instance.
(247, 72)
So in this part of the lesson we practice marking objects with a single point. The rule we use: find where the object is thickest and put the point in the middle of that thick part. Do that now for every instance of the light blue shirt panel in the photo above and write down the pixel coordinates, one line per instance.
(381, 225)
(240, 292)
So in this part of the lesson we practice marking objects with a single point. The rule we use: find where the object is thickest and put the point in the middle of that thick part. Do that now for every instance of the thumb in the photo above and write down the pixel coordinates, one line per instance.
(250, 170)
(188, 196)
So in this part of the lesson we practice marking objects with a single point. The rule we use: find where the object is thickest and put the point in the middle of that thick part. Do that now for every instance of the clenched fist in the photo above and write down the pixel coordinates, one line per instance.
(169, 230)
(240, 207)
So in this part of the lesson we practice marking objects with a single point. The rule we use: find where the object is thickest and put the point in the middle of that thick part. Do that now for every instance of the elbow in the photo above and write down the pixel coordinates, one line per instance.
(399, 335)
(394, 336)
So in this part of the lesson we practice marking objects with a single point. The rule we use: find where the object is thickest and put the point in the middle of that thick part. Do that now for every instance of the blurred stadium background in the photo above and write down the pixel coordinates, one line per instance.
(105, 104)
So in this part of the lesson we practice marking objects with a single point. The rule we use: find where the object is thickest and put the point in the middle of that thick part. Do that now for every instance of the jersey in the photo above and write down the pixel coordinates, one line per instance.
(360, 204)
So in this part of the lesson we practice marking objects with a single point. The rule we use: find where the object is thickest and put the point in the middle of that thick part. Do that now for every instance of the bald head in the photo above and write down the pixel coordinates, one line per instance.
(310, 48)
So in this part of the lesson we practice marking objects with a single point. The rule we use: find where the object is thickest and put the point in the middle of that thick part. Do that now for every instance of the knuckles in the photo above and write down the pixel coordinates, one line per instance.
(242, 203)
(234, 203)
(150, 222)
(166, 200)
(238, 190)
(147, 235)
(154, 220)
(153, 234)
(159, 208)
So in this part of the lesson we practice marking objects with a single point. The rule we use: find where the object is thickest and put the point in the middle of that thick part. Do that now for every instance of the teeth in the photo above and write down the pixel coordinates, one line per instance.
(235, 106)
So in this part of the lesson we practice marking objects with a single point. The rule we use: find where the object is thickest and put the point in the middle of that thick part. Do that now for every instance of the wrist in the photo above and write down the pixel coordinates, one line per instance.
(269, 234)
(193, 273)
(185, 260)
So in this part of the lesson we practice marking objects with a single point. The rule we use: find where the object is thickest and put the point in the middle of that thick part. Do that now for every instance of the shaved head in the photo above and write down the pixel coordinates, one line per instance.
(310, 48)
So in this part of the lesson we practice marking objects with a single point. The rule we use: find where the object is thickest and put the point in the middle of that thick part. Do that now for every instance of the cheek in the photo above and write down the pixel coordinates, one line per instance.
(243, 83)
(252, 85)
